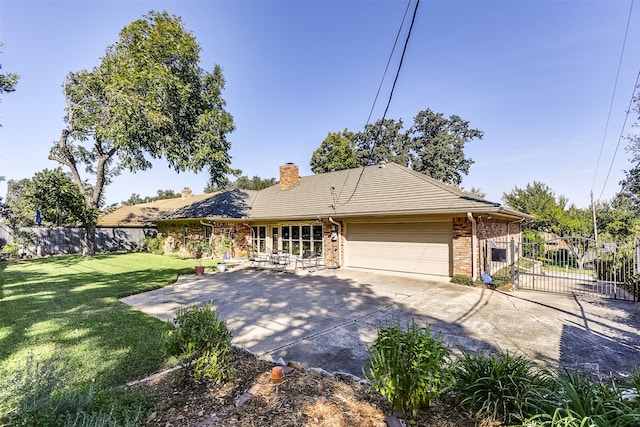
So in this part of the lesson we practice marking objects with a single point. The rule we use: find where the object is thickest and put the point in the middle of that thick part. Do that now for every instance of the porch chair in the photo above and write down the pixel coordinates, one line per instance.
(308, 259)
(280, 260)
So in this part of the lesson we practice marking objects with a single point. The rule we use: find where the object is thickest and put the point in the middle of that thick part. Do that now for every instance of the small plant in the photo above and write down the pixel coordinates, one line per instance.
(24, 238)
(11, 250)
(224, 244)
(461, 279)
(502, 386)
(199, 248)
(153, 245)
(408, 368)
(579, 400)
(201, 341)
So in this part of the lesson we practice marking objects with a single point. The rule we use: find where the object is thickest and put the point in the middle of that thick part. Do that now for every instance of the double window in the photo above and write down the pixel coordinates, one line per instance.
(259, 239)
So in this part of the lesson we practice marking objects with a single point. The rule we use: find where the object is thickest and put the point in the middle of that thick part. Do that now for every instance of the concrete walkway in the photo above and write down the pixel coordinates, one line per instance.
(326, 319)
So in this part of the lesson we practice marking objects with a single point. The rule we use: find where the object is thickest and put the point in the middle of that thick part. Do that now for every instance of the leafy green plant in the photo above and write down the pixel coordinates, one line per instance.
(11, 250)
(461, 279)
(581, 401)
(201, 341)
(408, 368)
(224, 244)
(153, 245)
(199, 248)
(501, 386)
(24, 238)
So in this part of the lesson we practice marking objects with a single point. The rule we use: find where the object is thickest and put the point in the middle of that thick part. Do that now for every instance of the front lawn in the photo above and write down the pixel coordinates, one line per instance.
(69, 306)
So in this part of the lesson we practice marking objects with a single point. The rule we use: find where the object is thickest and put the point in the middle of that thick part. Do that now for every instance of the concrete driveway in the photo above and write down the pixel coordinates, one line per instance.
(326, 319)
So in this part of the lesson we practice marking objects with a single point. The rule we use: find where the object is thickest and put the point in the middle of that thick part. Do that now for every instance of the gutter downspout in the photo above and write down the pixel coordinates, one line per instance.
(339, 239)
(474, 246)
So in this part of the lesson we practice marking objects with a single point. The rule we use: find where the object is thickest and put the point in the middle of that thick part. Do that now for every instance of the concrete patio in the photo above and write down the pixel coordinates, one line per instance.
(327, 318)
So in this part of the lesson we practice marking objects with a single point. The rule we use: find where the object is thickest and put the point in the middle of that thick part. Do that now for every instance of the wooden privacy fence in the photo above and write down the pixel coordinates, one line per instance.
(68, 240)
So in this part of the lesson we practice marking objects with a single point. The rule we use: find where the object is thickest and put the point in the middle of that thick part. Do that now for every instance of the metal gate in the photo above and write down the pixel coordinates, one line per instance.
(573, 265)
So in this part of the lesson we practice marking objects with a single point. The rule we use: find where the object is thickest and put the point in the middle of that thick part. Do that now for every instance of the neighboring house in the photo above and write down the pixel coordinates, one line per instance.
(127, 225)
(384, 217)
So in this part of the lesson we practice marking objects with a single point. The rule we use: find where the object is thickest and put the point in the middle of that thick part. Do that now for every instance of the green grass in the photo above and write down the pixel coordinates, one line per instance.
(69, 305)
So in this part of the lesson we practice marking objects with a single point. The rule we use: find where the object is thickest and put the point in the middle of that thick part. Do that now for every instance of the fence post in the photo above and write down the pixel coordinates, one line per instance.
(512, 251)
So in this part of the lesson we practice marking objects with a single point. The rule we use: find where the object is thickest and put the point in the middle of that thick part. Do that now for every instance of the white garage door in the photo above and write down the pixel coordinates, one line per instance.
(409, 247)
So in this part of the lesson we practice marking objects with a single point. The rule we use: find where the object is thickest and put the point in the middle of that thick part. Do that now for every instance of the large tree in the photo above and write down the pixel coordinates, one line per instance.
(337, 152)
(136, 199)
(53, 193)
(147, 99)
(434, 146)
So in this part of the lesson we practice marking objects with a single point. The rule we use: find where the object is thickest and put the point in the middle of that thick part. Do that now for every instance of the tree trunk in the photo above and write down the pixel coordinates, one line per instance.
(89, 240)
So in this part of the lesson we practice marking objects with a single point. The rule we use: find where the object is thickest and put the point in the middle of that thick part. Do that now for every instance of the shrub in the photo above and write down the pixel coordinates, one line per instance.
(153, 245)
(502, 387)
(461, 279)
(408, 368)
(201, 341)
(10, 249)
(580, 401)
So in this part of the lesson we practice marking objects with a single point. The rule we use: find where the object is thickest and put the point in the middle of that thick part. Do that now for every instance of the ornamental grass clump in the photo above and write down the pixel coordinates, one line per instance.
(408, 367)
(502, 387)
(580, 400)
(201, 342)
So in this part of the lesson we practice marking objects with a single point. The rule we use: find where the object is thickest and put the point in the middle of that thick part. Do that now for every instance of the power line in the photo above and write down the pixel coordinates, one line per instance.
(613, 95)
(384, 75)
(395, 80)
(633, 94)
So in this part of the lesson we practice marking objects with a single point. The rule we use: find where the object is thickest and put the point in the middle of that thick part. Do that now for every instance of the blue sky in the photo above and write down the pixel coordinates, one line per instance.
(536, 76)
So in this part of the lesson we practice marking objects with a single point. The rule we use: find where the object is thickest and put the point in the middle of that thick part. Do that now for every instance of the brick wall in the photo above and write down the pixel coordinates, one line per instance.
(331, 249)
(289, 176)
(173, 234)
(461, 246)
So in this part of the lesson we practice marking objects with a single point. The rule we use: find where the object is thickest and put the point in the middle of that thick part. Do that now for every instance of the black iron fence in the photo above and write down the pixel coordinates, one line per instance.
(575, 265)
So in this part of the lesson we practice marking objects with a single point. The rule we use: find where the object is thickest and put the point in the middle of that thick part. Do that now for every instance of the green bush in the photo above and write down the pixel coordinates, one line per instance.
(580, 400)
(408, 368)
(202, 343)
(10, 249)
(461, 279)
(502, 387)
(153, 245)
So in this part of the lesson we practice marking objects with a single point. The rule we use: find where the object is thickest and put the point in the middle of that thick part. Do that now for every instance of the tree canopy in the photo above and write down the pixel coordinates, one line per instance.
(136, 199)
(8, 81)
(243, 182)
(53, 193)
(434, 146)
(337, 152)
(147, 99)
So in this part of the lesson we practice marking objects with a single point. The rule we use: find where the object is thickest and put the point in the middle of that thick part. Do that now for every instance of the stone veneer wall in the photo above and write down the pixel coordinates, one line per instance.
(173, 234)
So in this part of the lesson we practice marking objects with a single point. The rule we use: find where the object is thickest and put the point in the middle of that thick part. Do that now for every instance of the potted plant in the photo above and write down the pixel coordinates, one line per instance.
(199, 248)
(223, 247)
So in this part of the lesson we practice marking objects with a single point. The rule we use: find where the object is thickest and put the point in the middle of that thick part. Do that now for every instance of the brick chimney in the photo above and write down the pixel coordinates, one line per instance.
(186, 192)
(289, 176)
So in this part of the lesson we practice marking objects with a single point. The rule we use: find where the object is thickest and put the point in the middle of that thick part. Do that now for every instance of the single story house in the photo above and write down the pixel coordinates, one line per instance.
(382, 217)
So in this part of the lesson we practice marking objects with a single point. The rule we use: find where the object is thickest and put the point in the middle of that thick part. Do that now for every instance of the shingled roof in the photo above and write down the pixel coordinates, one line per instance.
(144, 214)
(379, 190)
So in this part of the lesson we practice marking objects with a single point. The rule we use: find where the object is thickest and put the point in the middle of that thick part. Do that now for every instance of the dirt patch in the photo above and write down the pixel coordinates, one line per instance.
(304, 398)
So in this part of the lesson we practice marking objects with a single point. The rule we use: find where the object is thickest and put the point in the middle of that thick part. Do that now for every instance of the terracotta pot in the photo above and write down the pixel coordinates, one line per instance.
(199, 270)
(277, 374)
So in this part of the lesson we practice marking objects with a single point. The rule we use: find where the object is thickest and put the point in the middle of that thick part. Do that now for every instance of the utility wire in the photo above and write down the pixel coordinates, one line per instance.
(384, 75)
(613, 95)
(633, 95)
(395, 80)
